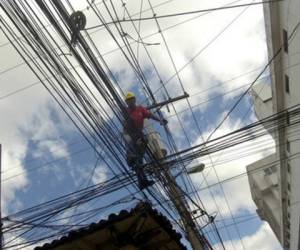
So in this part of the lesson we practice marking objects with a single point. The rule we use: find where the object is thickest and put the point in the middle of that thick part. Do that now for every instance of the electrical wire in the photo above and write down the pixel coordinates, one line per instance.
(182, 13)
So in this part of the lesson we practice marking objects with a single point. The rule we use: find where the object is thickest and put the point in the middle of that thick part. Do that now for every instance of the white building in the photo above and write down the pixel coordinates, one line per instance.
(275, 180)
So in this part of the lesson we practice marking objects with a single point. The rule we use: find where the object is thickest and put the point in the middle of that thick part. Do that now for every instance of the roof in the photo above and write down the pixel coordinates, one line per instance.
(140, 228)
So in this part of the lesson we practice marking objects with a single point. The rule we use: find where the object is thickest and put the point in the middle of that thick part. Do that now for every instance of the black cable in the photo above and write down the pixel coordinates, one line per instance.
(182, 13)
(132, 56)
(177, 74)
(149, 90)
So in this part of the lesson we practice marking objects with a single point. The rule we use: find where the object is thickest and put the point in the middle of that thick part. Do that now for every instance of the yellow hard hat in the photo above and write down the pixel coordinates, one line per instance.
(129, 95)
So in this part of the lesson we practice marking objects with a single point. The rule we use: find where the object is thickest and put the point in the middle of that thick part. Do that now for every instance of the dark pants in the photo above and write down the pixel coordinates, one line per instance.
(134, 156)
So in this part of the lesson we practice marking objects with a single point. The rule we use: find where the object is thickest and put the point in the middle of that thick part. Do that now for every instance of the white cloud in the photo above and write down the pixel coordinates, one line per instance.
(56, 148)
(244, 45)
(100, 175)
(262, 239)
(28, 119)
(229, 167)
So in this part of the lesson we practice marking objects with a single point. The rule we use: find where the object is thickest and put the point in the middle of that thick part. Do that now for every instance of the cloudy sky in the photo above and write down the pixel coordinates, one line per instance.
(217, 54)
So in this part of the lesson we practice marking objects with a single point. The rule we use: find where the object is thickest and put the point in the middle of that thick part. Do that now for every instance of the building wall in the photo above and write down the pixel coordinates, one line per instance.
(264, 188)
(293, 98)
(289, 20)
(285, 84)
(262, 100)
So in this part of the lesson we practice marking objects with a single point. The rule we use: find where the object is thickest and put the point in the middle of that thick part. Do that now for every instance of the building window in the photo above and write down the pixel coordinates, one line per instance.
(287, 83)
(288, 146)
(289, 202)
(289, 186)
(285, 41)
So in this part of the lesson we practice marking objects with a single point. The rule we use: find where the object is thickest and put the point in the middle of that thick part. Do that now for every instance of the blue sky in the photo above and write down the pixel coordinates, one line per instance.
(51, 158)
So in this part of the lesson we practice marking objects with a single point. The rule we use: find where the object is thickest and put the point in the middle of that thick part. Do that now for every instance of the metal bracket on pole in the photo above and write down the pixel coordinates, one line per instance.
(156, 105)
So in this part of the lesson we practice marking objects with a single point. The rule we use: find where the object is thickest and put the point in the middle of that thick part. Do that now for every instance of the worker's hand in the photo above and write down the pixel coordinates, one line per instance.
(163, 122)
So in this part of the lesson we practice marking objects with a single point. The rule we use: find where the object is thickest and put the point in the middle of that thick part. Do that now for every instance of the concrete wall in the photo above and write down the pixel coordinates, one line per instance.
(264, 188)
(285, 86)
(292, 70)
(290, 19)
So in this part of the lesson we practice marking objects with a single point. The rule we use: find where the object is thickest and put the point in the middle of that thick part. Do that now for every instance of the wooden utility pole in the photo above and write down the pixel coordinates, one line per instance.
(197, 241)
(177, 198)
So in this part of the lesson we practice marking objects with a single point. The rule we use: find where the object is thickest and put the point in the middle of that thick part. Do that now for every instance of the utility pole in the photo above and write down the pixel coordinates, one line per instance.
(197, 241)
(180, 203)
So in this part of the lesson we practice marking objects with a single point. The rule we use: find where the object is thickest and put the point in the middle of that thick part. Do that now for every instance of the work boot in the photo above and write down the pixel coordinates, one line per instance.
(143, 182)
(132, 160)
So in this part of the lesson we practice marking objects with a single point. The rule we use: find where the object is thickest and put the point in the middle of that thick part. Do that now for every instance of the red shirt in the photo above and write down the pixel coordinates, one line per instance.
(137, 115)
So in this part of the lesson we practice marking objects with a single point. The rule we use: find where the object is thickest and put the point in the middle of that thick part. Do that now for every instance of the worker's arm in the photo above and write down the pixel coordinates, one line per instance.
(157, 118)
(149, 115)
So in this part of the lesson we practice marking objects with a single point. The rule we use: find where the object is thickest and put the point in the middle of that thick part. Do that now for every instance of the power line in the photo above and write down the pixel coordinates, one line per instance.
(261, 168)
(85, 9)
(254, 81)
(246, 216)
(86, 105)
(114, 50)
(181, 13)
(41, 58)
(140, 74)
(181, 84)
(150, 94)
(123, 32)
(172, 143)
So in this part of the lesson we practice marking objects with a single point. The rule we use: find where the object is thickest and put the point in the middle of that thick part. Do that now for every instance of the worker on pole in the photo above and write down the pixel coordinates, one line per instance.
(135, 138)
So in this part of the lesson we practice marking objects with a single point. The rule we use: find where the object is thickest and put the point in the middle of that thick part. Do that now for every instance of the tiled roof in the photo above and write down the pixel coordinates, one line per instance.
(142, 208)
